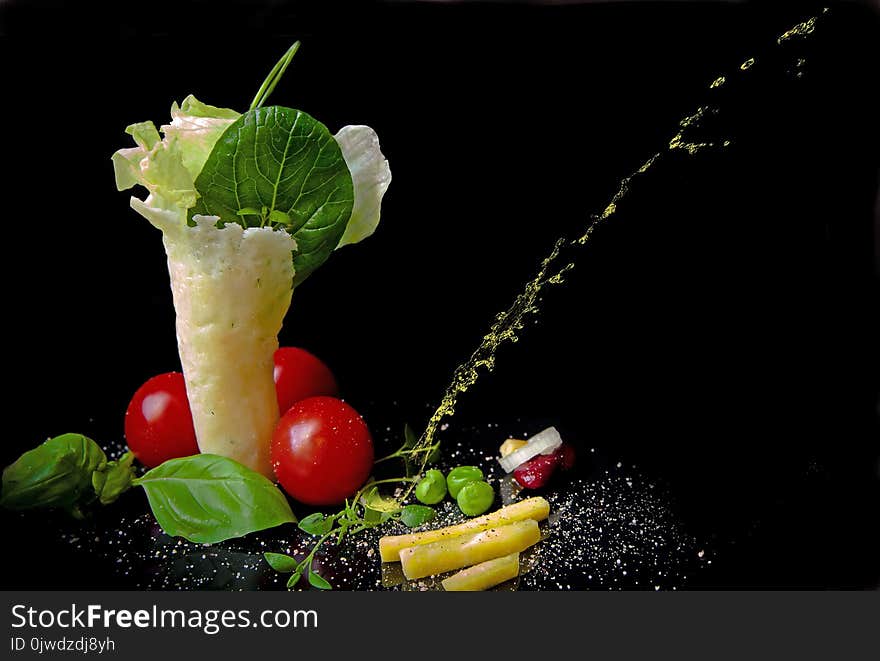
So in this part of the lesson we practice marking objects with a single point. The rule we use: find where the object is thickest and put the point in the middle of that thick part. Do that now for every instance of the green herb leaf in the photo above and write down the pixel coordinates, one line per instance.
(281, 562)
(98, 480)
(316, 524)
(248, 211)
(114, 479)
(57, 473)
(318, 581)
(279, 217)
(287, 161)
(415, 515)
(294, 578)
(374, 500)
(374, 517)
(207, 498)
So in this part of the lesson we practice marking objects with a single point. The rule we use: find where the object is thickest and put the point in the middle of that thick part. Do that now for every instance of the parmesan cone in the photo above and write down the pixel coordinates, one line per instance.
(232, 288)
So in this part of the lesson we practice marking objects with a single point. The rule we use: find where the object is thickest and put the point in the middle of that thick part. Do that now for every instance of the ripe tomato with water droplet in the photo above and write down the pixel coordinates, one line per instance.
(158, 421)
(322, 451)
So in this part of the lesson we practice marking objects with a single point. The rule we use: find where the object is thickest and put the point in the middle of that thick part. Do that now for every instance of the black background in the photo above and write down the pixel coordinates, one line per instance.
(720, 331)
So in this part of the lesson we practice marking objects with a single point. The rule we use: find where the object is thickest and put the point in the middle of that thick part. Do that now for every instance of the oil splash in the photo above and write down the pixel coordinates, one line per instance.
(561, 259)
(800, 30)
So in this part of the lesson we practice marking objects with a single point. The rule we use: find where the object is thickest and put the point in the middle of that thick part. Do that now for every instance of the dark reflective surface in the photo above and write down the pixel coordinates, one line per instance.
(719, 334)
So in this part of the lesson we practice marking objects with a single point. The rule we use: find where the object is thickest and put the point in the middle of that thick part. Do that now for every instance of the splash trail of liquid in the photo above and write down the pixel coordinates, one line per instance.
(561, 259)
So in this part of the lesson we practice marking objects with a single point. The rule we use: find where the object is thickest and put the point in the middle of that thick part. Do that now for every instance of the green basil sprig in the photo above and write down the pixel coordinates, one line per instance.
(203, 498)
(55, 474)
(115, 479)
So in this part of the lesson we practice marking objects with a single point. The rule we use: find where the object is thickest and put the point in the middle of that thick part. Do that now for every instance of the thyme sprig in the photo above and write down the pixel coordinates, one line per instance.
(415, 457)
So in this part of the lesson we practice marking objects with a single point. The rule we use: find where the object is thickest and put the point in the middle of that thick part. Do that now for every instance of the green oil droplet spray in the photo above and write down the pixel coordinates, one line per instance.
(560, 261)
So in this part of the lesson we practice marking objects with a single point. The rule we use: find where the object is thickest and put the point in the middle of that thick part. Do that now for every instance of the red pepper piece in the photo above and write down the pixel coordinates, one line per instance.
(536, 472)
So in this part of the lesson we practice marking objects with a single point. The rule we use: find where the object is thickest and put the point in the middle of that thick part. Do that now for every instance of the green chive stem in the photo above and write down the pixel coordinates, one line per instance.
(274, 76)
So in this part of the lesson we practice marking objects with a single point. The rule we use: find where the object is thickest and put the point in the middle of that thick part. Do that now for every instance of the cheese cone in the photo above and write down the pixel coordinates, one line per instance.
(232, 288)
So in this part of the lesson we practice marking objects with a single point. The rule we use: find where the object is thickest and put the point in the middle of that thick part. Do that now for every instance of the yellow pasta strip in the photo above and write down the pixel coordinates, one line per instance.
(484, 575)
(536, 508)
(464, 550)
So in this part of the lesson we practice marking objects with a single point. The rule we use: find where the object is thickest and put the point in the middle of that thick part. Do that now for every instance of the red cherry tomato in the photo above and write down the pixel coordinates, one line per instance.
(299, 374)
(322, 451)
(158, 421)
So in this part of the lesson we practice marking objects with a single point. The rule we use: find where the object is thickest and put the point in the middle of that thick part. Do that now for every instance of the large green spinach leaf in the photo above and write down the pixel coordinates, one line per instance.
(280, 167)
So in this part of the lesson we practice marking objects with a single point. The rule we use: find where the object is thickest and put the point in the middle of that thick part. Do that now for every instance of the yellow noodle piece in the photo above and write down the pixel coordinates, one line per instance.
(484, 575)
(536, 508)
(465, 550)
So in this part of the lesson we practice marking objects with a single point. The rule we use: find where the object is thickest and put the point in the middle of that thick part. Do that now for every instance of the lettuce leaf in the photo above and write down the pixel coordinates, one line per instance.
(370, 174)
(196, 127)
(291, 174)
(168, 167)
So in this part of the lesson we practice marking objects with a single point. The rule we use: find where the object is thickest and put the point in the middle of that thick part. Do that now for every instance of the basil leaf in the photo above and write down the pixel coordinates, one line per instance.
(415, 515)
(316, 524)
(207, 498)
(294, 578)
(288, 162)
(281, 562)
(57, 473)
(318, 581)
(114, 480)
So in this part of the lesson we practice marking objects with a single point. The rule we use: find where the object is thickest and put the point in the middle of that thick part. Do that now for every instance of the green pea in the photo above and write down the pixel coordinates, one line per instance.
(460, 476)
(431, 489)
(475, 498)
